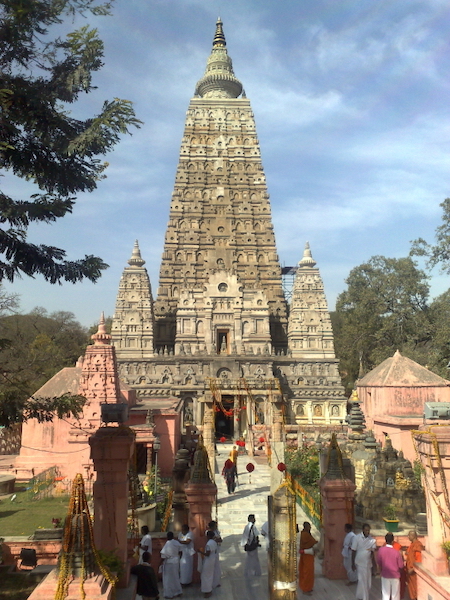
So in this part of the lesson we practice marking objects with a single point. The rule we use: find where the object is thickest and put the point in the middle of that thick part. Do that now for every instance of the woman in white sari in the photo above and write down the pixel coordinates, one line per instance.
(186, 539)
(171, 567)
(210, 576)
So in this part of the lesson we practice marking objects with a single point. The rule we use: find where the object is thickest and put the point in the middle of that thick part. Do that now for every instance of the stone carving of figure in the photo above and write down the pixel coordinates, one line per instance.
(149, 418)
(188, 415)
(318, 410)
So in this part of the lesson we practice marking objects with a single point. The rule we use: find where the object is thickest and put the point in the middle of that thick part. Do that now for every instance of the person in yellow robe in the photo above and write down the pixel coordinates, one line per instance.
(306, 563)
(234, 455)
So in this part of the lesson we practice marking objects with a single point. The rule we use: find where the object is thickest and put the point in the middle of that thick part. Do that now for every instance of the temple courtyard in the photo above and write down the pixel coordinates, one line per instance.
(232, 512)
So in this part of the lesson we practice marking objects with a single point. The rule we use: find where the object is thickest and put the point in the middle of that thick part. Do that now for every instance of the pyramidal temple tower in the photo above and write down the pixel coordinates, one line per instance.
(219, 330)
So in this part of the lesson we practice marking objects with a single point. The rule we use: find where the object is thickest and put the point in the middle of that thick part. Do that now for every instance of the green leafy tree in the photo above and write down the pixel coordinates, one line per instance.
(440, 252)
(384, 308)
(303, 464)
(438, 350)
(40, 141)
(33, 348)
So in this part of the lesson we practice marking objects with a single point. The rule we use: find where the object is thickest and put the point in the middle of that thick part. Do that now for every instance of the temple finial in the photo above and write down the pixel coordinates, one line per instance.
(101, 338)
(219, 37)
(307, 260)
(136, 259)
(219, 80)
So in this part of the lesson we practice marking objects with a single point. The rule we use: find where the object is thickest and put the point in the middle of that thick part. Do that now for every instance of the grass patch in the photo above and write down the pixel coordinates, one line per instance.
(23, 516)
(18, 586)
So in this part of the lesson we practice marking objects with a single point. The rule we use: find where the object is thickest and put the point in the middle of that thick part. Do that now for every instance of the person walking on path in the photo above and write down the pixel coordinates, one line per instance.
(171, 567)
(347, 553)
(250, 542)
(363, 561)
(229, 473)
(186, 539)
(391, 566)
(146, 542)
(147, 584)
(413, 555)
(210, 574)
(234, 456)
(306, 562)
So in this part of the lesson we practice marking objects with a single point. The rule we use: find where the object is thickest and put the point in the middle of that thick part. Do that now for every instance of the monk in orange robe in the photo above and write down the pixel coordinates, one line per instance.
(413, 555)
(306, 563)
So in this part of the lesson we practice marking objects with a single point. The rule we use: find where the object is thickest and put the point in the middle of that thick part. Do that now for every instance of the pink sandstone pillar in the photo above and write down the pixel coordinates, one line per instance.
(201, 494)
(201, 498)
(111, 450)
(337, 509)
(433, 449)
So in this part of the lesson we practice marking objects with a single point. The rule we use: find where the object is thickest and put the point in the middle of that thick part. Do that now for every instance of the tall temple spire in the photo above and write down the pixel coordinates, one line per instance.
(219, 80)
(220, 219)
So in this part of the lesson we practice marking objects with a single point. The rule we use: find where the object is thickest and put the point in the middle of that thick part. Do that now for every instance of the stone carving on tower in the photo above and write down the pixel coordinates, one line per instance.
(221, 327)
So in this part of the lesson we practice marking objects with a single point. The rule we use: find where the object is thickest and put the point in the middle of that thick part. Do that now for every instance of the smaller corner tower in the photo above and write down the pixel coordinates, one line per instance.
(133, 321)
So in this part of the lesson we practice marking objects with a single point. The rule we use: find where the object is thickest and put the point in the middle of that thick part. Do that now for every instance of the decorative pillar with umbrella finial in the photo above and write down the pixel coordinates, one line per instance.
(337, 494)
(201, 495)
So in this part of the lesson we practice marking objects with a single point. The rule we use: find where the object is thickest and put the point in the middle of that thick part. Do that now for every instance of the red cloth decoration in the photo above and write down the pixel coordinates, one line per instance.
(223, 439)
(262, 440)
(281, 467)
(250, 467)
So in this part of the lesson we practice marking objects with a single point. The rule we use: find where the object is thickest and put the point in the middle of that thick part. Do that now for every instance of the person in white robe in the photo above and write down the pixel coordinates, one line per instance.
(250, 534)
(210, 575)
(186, 539)
(347, 553)
(265, 534)
(145, 544)
(363, 560)
(171, 567)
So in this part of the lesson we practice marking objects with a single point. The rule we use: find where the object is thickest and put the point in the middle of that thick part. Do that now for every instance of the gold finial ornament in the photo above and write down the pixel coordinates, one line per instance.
(219, 37)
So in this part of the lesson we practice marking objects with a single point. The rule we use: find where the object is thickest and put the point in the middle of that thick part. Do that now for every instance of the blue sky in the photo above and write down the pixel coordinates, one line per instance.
(351, 101)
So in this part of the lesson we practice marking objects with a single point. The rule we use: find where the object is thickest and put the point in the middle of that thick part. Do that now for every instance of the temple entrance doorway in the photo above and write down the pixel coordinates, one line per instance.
(224, 423)
(141, 458)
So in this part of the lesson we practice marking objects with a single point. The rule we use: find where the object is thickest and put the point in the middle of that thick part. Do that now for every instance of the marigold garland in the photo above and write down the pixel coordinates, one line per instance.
(82, 535)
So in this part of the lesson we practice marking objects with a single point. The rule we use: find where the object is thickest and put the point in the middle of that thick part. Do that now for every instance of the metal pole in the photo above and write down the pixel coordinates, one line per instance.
(156, 475)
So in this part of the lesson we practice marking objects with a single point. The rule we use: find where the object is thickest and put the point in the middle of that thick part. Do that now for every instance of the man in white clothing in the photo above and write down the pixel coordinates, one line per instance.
(363, 560)
(186, 539)
(347, 553)
(171, 567)
(265, 534)
(210, 575)
(250, 538)
(146, 542)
